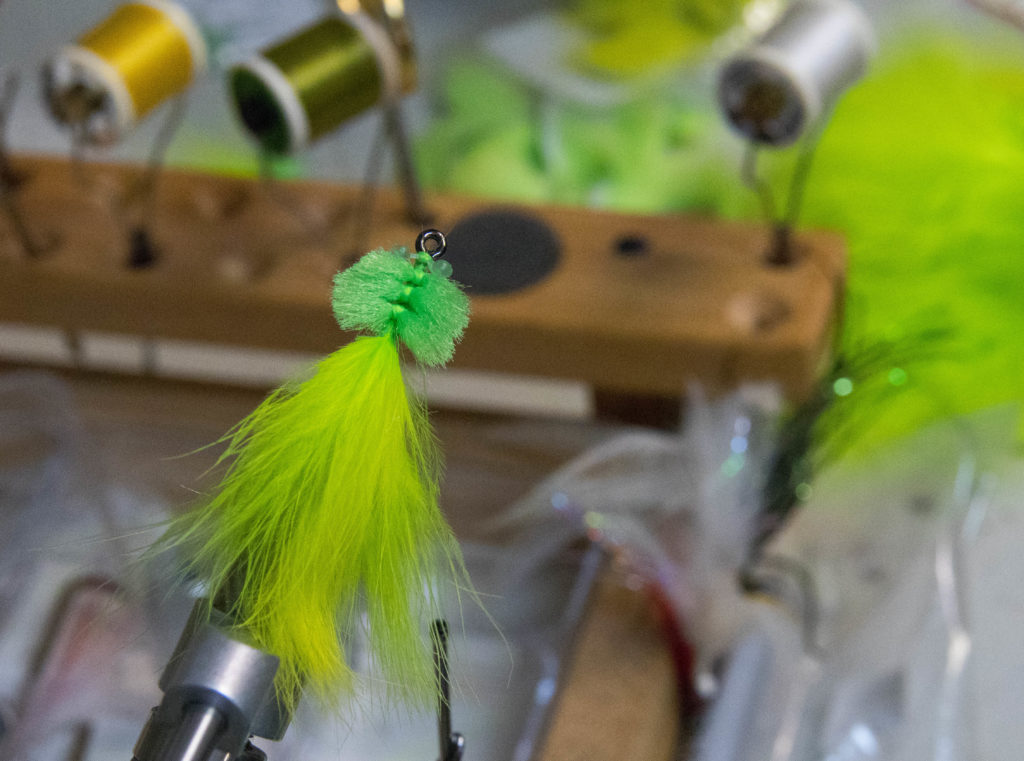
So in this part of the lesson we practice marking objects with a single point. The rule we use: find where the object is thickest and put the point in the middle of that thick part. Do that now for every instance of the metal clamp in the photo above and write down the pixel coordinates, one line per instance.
(218, 692)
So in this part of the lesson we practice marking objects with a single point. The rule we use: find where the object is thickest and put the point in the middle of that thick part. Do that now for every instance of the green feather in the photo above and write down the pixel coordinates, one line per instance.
(329, 505)
(918, 169)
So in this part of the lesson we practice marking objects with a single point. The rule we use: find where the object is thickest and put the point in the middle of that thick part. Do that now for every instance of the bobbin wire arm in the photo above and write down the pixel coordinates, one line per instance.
(103, 84)
(10, 178)
(783, 87)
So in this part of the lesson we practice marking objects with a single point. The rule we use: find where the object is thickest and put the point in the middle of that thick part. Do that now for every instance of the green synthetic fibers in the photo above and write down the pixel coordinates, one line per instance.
(387, 294)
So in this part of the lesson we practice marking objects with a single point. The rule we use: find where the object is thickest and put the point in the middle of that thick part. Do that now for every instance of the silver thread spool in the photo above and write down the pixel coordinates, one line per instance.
(775, 89)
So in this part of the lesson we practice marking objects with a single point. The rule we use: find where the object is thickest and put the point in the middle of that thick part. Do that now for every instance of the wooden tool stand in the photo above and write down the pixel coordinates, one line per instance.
(634, 305)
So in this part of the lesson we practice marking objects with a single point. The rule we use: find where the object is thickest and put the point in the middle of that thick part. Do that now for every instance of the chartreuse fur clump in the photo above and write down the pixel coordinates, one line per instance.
(918, 169)
(931, 208)
(329, 507)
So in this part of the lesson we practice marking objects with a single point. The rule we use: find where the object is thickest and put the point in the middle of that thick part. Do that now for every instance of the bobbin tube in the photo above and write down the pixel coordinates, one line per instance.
(144, 53)
(773, 90)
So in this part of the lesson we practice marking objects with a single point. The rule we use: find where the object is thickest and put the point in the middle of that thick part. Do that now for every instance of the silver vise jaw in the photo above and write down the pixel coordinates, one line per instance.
(218, 693)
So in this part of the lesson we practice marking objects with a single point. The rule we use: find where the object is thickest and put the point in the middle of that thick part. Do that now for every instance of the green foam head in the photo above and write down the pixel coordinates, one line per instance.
(392, 292)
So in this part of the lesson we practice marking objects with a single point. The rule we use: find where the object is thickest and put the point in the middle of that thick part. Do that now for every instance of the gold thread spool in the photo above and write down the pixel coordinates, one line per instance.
(141, 55)
(307, 85)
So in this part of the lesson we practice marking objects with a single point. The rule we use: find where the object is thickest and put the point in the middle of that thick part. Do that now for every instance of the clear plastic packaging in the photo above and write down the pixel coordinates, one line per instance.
(76, 653)
(890, 669)
(679, 509)
(86, 629)
(861, 643)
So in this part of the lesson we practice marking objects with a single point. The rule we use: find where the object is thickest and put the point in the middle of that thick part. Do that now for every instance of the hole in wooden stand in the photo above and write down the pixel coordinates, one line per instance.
(630, 246)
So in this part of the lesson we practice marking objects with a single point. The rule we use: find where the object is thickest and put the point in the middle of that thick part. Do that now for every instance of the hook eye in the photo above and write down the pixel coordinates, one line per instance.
(431, 242)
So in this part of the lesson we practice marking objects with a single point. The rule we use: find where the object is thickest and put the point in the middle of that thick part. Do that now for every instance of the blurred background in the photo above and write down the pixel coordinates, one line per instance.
(733, 441)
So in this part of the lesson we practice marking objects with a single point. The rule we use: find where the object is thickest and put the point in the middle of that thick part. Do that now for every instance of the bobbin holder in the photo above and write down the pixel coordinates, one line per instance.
(218, 693)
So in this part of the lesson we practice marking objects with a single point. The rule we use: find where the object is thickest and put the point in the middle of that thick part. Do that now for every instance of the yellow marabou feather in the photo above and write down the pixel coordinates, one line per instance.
(328, 509)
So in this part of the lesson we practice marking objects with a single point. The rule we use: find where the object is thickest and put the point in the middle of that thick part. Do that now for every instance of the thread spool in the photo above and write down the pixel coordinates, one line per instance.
(772, 91)
(144, 53)
(304, 87)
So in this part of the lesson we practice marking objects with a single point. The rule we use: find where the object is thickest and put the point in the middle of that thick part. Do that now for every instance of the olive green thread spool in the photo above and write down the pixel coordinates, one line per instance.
(306, 86)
